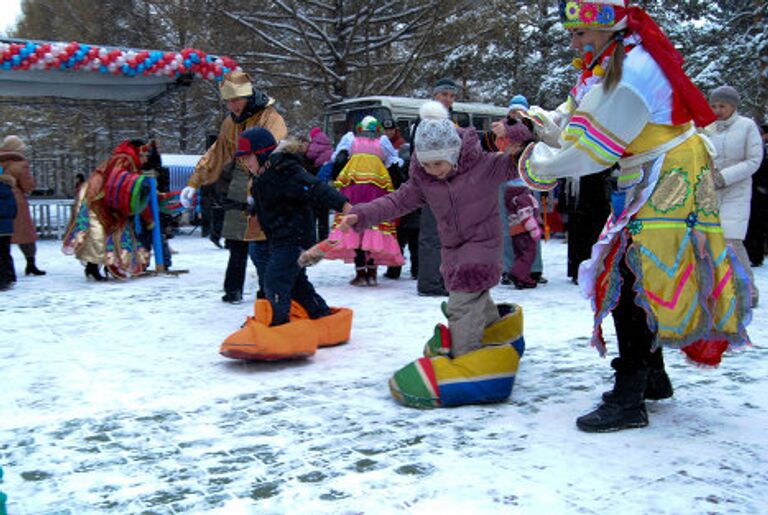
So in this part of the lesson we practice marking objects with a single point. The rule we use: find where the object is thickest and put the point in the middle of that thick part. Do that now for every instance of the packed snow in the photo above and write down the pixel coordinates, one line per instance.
(114, 399)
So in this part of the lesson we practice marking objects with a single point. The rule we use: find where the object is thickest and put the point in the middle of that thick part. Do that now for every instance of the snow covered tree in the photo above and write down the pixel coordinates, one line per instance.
(341, 48)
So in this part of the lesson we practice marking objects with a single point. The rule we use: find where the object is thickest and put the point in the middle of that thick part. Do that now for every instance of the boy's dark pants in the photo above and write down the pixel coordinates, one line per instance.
(234, 277)
(286, 280)
(7, 273)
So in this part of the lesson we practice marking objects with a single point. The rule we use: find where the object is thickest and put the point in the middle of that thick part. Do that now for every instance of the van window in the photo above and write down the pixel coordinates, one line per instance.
(462, 119)
(481, 123)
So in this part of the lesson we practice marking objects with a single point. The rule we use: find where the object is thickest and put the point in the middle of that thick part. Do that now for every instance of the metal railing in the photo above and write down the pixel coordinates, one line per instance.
(51, 216)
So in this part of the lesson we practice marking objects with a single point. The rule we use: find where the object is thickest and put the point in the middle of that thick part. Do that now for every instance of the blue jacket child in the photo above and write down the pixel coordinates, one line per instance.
(7, 216)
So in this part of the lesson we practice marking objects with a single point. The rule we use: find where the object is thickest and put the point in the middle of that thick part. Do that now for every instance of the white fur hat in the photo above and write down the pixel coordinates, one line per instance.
(436, 137)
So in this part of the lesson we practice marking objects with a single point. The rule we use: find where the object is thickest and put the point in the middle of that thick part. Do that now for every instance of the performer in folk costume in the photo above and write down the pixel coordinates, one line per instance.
(661, 266)
(365, 178)
(100, 231)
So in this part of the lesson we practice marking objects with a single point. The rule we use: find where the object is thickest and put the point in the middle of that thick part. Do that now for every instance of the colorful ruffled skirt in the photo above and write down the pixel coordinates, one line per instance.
(364, 179)
(86, 238)
(689, 282)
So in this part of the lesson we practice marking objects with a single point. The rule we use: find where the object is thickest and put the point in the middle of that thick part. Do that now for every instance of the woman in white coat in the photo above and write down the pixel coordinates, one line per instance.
(739, 153)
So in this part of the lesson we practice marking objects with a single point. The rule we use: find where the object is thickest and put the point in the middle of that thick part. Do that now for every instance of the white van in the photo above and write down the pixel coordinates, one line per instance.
(341, 117)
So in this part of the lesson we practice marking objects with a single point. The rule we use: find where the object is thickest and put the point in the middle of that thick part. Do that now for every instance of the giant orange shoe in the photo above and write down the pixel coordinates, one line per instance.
(258, 341)
(334, 329)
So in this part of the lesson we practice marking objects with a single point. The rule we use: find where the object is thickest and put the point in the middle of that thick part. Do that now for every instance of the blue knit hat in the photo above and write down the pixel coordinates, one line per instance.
(257, 141)
(518, 103)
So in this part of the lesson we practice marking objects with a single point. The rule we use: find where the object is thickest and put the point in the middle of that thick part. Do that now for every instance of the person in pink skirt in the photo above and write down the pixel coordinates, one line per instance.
(365, 178)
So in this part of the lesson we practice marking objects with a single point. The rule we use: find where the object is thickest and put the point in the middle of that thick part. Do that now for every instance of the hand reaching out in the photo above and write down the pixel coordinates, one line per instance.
(347, 221)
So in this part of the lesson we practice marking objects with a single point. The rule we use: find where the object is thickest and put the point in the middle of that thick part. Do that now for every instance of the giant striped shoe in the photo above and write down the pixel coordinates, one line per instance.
(482, 376)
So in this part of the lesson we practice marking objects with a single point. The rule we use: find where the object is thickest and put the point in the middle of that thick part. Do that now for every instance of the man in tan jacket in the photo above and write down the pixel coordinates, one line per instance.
(248, 108)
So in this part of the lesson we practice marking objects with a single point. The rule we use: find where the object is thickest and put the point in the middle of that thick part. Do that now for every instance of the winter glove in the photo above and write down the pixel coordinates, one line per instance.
(315, 254)
(532, 226)
(187, 197)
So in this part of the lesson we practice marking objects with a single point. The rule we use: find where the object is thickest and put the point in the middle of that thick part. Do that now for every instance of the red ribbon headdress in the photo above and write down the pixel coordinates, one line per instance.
(616, 15)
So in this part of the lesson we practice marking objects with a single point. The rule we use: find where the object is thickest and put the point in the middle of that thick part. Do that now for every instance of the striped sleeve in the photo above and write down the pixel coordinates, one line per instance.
(596, 136)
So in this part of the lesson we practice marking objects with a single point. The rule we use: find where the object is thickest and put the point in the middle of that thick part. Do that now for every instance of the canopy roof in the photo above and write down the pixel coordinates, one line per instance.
(82, 85)
(35, 69)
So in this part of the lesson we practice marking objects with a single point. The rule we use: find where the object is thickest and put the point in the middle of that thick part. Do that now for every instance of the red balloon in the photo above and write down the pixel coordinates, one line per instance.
(25, 65)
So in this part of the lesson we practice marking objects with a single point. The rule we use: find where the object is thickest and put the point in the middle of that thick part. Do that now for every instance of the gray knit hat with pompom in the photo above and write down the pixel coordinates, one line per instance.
(436, 137)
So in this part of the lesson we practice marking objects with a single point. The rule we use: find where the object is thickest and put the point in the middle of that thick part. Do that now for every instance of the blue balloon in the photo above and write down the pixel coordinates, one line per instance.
(187, 63)
(16, 60)
(140, 68)
(195, 58)
(71, 62)
(103, 69)
(7, 65)
(24, 53)
(125, 68)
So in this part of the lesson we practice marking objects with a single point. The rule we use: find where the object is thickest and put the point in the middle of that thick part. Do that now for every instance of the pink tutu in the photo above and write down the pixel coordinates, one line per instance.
(381, 247)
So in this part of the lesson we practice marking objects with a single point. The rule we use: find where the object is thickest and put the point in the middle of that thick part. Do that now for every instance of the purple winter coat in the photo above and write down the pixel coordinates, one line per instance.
(466, 206)
(319, 150)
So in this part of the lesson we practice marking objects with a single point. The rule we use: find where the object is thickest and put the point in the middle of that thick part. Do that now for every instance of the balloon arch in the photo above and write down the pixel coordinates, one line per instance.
(60, 56)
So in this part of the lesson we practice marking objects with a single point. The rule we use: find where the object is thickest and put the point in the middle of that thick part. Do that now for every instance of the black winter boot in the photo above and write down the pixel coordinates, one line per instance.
(32, 268)
(657, 387)
(624, 409)
(92, 270)
(233, 297)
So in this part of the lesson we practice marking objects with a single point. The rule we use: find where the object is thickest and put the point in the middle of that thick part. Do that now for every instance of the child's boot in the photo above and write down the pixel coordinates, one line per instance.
(371, 275)
(359, 279)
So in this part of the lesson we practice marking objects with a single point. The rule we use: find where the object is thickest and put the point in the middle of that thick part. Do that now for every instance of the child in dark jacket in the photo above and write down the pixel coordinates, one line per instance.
(284, 197)
(7, 216)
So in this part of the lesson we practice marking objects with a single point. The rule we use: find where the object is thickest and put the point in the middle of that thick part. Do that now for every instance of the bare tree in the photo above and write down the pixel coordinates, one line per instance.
(347, 48)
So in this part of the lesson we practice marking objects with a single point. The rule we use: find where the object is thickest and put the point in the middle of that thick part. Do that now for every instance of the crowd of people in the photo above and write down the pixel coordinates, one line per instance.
(664, 220)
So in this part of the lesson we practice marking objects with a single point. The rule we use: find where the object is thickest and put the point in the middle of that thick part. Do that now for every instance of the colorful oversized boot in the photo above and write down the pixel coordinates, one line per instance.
(482, 376)
(256, 340)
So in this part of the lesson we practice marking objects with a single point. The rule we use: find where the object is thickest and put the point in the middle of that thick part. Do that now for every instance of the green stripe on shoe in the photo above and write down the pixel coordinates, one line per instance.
(410, 387)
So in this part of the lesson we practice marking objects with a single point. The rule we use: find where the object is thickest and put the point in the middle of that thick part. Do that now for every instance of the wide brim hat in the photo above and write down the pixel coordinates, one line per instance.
(12, 143)
(236, 85)
(605, 15)
(6, 155)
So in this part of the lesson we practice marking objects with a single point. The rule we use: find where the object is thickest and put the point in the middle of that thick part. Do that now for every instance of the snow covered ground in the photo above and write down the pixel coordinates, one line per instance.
(114, 399)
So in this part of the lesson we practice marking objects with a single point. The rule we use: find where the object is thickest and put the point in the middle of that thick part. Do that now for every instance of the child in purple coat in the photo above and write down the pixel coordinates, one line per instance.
(525, 231)
(450, 172)
(460, 183)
